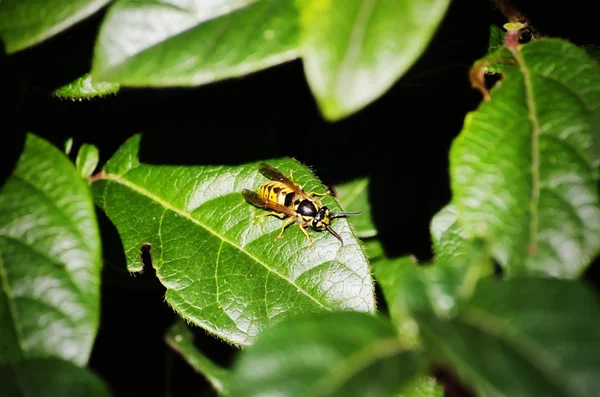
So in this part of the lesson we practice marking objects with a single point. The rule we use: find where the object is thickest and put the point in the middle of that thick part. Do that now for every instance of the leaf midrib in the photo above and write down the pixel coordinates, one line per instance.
(120, 180)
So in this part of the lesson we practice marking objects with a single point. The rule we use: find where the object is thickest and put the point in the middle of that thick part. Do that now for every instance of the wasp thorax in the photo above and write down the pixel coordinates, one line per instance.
(306, 208)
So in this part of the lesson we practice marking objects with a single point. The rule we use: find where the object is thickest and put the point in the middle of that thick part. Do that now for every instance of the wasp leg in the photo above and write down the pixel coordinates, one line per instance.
(292, 175)
(302, 227)
(277, 214)
(287, 222)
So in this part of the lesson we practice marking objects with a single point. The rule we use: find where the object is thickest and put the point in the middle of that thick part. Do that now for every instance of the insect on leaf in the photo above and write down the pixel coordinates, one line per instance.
(222, 269)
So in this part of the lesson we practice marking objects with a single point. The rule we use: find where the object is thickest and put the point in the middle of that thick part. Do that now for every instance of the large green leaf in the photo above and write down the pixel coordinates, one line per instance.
(524, 167)
(193, 42)
(49, 377)
(221, 267)
(522, 337)
(24, 23)
(49, 259)
(331, 354)
(355, 50)
(354, 196)
(181, 339)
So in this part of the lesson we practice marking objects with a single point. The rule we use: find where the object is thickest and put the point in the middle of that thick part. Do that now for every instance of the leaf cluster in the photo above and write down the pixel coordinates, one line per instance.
(502, 304)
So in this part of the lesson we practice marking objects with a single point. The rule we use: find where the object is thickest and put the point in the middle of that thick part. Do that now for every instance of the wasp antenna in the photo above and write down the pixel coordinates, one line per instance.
(335, 234)
(338, 214)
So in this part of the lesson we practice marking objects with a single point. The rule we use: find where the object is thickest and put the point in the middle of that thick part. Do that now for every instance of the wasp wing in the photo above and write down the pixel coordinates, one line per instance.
(255, 199)
(274, 174)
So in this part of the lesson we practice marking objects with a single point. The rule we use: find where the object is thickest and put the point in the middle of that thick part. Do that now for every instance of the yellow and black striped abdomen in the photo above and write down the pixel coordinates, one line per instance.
(277, 192)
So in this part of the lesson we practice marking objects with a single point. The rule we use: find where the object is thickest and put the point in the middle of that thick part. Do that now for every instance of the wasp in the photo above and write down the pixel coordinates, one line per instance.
(286, 199)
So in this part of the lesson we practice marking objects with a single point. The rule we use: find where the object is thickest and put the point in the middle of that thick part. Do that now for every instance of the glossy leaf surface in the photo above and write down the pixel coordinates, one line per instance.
(49, 377)
(331, 354)
(49, 259)
(221, 267)
(193, 42)
(355, 50)
(354, 196)
(181, 339)
(524, 168)
(86, 87)
(522, 337)
(24, 23)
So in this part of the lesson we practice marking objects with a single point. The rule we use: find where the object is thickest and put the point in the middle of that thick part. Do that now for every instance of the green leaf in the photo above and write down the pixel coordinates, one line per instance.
(422, 386)
(354, 196)
(330, 354)
(355, 50)
(408, 287)
(457, 257)
(49, 377)
(150, 43)
(86, 87)
(593, 51)
(522, 337)
(374, 249)
(496, 38)
(24, 23)
(181, 339)
(50, 259)
(222, 269)
(523, 169)
(87, 160)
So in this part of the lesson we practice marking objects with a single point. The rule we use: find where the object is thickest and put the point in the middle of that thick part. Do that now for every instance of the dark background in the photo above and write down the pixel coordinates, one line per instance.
(401, 142)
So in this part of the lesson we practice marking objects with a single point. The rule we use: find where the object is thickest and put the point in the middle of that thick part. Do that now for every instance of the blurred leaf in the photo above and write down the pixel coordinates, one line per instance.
(593, 51)
(49, 377)
(181, 339)
(86, 87)
(374, 249)
(523, 169)
(87, 160)
(448, 237)
(408, 287)
(222, 269)
(496, 38)
(68, 146)
(355, 50)
(522, 337)
(24, 23)
(422, 386)
(330, 354)
(50, 259)
(354, 196)
(149, 43)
